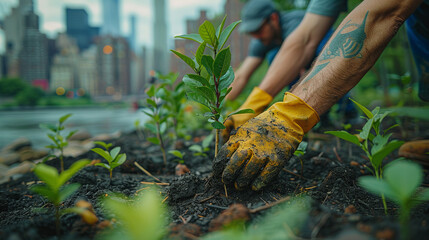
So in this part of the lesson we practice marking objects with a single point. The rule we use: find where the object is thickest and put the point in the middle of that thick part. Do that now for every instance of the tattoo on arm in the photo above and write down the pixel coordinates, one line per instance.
(346, 44)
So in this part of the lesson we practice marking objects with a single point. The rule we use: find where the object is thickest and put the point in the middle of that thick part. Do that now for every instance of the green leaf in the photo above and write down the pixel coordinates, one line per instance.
(366, 129)
(107, 166)
(151, 102)
(102, 153)
(379, 142)
(176, 153)
(153, 140)
(196, 148)
(196, 97)
(207, 140)
(47, 174)
(377, 187)
(46, 192)
(220, 27)
(241, 111)
(185, 58)
(404, 177)
(207, 92)
(67, 191)
(114, 152)
(193, 36)
(381, 154)
(50, 127)
(73, 169)
(71, 134)
(151, 91)
(103, 144)
(151, 127)
(226, 33)
(391, 127)
(345, 136)
(364, 109)
(192, 80)
(200, 52)
(207, 61)
(208, 33)
(222, 62)
(121, 159)
(226, 80)
(64, 118)
(218, 125)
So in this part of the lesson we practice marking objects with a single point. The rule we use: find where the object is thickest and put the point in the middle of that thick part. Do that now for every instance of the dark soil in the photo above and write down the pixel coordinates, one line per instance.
(340, 208)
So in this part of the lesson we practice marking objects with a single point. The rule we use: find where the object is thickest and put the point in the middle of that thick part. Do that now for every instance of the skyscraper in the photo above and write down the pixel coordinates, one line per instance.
(160, 51)
(77, 27)
(111, 24)
(132, 37)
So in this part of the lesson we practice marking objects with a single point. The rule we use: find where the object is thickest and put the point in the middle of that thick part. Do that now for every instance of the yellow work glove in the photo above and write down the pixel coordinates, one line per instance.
(261, 147)
(258, 100)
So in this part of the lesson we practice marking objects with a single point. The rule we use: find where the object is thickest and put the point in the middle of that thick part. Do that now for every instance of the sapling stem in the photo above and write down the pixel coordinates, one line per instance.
(161, 142)
(57, 220)
(217, 142)
(61, 161)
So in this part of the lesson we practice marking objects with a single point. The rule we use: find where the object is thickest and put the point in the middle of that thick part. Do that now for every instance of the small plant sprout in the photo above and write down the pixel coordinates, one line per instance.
(299, 152)
(143, 217)
(113, 157)
(213, 73)
(178, 155)
(138, 128)
(159, 117)
(201, 150)
(58, 141)
(53, 189)
(400, 184)
(375, 142)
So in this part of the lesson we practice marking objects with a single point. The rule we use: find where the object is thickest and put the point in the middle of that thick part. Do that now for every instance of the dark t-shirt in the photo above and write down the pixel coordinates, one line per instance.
(288, 21)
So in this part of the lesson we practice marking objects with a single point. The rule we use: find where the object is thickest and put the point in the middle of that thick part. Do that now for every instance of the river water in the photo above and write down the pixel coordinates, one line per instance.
(25, 123)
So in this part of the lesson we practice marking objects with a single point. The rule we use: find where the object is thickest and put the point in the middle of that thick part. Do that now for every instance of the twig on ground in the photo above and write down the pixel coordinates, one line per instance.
(155, 183)
(288, 171)
(336, 154)
(216, 206)
(269, 205)
(183, 219)
(226, 192)
(317, 228)
(145, 171)
(165, 199)
(206, 199)
(141, 189)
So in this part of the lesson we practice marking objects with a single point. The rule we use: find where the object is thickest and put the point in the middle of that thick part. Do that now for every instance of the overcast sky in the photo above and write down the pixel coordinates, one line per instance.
(52, 15)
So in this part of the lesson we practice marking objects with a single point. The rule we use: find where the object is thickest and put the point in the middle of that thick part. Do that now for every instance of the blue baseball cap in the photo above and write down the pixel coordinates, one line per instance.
(254, 13)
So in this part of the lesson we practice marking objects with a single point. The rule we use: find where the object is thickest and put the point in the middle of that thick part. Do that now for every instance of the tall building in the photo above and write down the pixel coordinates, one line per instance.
(33, 56)
(111, 24)
(160, 51)
(113, 66)
(77, 26)
(14, 33)
(133, 34)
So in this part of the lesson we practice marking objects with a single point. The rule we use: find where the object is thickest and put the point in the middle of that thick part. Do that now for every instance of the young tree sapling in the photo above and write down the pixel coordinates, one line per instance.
(113, 157)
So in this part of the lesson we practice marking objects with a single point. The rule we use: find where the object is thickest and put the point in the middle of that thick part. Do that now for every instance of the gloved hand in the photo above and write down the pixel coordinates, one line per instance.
(261, 147)
(258, 100)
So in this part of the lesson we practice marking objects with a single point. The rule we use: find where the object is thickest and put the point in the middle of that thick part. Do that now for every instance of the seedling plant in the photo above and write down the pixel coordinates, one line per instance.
(53, 189)
(374, 141)
(158, 118)
(58, 141)
(400, 184)
(178, 154)
(213, 73)
(113, 157)
(201, 150)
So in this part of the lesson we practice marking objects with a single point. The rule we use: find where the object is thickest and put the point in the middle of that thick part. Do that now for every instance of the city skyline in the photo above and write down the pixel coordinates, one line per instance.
(52, 22)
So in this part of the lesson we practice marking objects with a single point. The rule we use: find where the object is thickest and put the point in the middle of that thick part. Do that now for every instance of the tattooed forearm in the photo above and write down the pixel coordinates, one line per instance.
(347, 44)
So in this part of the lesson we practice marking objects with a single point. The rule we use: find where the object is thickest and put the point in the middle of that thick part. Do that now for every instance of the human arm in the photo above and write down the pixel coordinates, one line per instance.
(242, 76)
(352, 51)
(296, 52)
(258, 151)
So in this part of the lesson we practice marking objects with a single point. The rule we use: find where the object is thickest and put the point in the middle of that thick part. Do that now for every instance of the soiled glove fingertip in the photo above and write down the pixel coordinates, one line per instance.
(258, 185)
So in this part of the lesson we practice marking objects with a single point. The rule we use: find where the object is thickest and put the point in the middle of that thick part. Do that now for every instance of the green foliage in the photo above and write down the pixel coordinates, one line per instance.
(53, 189)
(30, 96)
(178, 155)
(400, 184)
(201, 150)
(279, 223)
(113, 157)
(142, 217)
(376, 143)
(59, 142)
(10, 87)
(300, 151)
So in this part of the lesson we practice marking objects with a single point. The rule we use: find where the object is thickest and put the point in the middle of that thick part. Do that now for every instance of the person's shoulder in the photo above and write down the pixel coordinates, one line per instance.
(330, 8)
